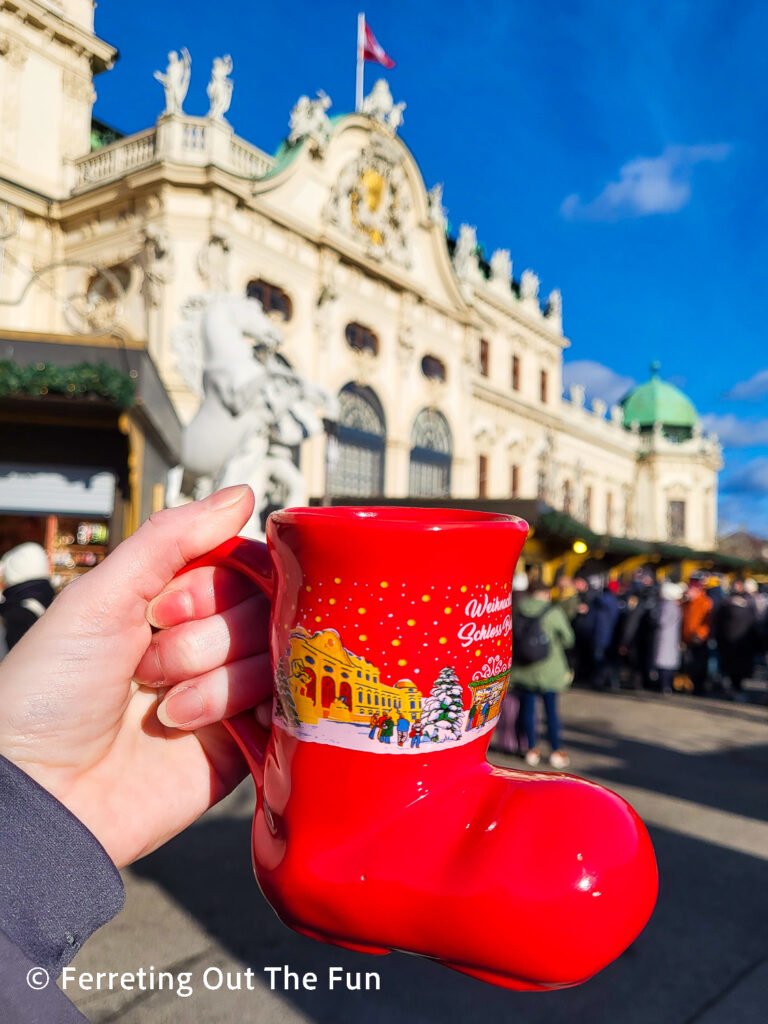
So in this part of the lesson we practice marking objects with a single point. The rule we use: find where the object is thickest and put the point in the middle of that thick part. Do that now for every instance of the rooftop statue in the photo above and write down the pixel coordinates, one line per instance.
(529, 286)
(379, 105)
(437, 212)
(465, 254)
(220, 88)
(175, 81)
(254, 407)
(501, 269)
(309, 120)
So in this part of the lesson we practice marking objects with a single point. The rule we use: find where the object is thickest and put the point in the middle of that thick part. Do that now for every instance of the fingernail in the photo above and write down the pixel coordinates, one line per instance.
(183, 707)
(226, 498)
(169, 609)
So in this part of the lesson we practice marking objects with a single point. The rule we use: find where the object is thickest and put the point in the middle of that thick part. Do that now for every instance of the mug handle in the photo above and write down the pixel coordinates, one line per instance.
(250, 557)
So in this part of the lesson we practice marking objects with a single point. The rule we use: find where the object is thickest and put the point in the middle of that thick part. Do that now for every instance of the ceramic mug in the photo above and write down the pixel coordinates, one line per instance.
(379, 823)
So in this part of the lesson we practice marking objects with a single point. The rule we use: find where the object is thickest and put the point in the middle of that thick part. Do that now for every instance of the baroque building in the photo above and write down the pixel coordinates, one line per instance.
(448, 365)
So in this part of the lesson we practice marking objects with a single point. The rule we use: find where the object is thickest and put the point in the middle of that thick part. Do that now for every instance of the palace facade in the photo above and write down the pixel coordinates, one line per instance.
(447, 364)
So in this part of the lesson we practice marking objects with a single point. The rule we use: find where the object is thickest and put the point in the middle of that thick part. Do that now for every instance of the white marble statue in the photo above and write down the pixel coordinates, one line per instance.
(309, 120)
(254, 407)
(379, 105)
(220, 88)
(555, 306)
(529, 286)
(175, 81)
(437, 212)
(465, 254)
(501, 269)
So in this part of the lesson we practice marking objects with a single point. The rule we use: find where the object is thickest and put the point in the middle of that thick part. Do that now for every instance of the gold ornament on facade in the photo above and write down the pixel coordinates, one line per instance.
(366, 201)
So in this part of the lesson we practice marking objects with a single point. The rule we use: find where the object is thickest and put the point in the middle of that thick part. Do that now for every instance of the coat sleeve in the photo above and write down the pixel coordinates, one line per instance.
(562, 628)
(57, 886)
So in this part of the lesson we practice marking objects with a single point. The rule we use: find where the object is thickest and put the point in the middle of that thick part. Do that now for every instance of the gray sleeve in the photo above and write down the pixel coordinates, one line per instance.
(57, 883)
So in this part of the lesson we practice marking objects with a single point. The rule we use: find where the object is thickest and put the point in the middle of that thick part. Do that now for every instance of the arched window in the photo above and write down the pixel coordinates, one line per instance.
(433, 368)
(431, 451)
(356, 455)
(361, 339)
(272, 298)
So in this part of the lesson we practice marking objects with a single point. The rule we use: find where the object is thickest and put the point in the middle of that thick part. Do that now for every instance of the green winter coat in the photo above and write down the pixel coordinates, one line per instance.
(551, 674)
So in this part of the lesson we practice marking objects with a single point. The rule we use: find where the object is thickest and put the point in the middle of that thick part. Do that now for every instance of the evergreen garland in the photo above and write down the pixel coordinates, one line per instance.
(98, 379)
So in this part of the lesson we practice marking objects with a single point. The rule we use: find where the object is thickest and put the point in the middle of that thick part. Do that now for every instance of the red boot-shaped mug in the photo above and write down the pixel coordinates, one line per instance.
(379, 823)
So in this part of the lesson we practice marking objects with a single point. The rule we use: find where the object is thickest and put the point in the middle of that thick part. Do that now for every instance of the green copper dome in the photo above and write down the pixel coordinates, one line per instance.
(656, 401)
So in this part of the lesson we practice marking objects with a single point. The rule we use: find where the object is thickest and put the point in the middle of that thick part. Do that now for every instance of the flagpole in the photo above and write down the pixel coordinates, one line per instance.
(359, 75)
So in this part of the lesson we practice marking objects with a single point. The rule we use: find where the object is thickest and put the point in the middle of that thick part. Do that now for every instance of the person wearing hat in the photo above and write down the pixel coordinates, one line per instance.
(666, 641)
(27, 589)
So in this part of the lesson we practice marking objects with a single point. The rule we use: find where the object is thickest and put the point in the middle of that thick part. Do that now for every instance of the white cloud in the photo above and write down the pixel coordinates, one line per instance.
(598, 381)
(646, 185)
(755, 387)
(751, 478)
(735, 432)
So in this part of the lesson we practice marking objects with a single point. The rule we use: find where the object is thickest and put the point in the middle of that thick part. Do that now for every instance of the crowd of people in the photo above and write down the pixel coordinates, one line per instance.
(703, 636)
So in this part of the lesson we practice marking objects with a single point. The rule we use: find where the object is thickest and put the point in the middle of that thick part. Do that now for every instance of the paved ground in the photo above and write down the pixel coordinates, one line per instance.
(696, 770)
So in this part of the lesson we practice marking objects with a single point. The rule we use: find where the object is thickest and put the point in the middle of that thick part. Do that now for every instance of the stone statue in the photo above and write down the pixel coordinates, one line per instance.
(437, 212)
(555, 306)
(309, 120)
(529, 286)
(465, 254)
(577, 394)
(254, 407)
(220, 88)
(175, 81)
(501, 269)
(379, 105)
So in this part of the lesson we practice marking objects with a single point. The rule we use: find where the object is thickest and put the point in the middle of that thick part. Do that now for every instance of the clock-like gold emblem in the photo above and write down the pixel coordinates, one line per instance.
(366, 204)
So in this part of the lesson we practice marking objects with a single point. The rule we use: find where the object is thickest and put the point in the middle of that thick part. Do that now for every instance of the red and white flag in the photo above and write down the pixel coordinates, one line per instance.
(373, 50)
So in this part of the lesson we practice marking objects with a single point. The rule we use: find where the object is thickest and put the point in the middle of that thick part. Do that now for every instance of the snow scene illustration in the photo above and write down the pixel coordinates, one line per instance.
(325, 693)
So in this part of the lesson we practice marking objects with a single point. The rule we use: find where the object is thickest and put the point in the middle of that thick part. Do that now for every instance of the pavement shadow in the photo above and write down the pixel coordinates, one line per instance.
(708, 929)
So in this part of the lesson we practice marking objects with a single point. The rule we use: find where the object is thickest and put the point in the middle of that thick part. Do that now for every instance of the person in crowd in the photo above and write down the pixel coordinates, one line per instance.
(111, 739)
(583, 624)
(605, 615)
(736, 632)
(27, 589)
(697, 624)
(546, 678)
(667, 636)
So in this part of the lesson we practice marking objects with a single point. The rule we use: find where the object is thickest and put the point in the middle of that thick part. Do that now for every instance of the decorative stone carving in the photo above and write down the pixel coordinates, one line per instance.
(379, 105)
(79, 87)
(156, 261)
(617, 415)
(253, 409)
(309, 120)
(220, 87)
(175, 81)
(576, 393)
(599, 407)
(437, 212)
(371, 202)
(529, 287)
(405, 346)
(554, 310)
(501, 271)
(465, 255)
(14, 51)
(213, 263)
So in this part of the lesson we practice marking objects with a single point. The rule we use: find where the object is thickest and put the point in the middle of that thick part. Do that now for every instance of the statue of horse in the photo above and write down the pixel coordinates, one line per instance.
(254, 410)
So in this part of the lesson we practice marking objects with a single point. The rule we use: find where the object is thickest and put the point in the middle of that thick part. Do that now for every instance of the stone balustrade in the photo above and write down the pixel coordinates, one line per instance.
(177, 139)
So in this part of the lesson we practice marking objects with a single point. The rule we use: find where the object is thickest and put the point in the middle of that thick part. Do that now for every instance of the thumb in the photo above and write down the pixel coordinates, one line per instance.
(146, 562)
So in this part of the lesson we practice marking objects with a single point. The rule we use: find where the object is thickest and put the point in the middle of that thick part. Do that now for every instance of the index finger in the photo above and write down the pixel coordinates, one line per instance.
(197, 594)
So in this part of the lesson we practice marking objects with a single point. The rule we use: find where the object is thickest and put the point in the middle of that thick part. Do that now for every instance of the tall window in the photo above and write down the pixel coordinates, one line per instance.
(676, 517)
(356, 455)
(272, 298)
(485, 358)
(543, 385)
(514, 480)
(433, 368)
(588, 506)
(432, 447)
(361, 339)
(482, 476)
(568, 498)
(515, 373)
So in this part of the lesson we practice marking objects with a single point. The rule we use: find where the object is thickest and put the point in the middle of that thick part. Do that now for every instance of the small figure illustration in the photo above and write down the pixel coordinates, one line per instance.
(374, 724)
(486, 711)
(387, 728)
(471, 717)
(416, 733)
(402, 729)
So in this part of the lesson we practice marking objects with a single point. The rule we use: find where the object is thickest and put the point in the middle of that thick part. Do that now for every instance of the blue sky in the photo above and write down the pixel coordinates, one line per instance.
(619, 150)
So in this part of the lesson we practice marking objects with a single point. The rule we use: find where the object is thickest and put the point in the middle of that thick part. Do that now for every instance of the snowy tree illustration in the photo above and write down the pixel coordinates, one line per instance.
(285, 705)
(442, 713)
